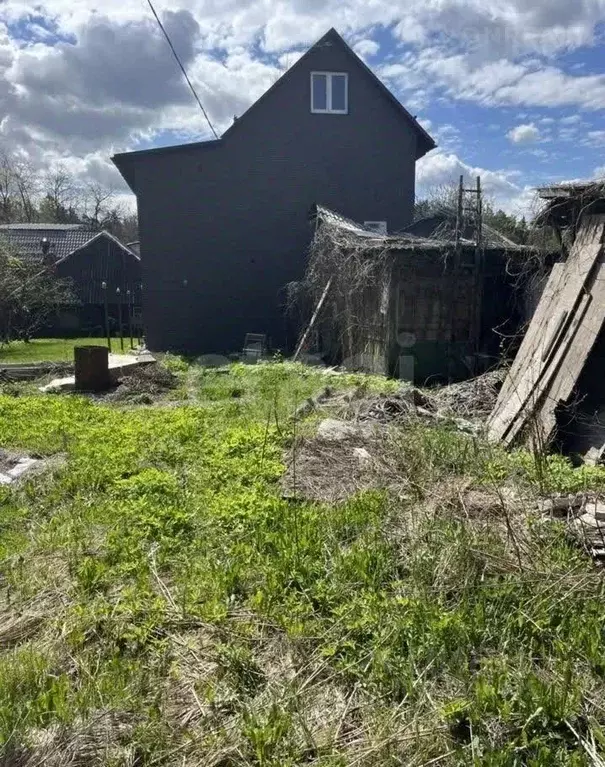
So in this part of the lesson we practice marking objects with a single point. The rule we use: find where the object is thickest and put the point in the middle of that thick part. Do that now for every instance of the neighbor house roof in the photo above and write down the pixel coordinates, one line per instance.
(570, 189)
(64, 239)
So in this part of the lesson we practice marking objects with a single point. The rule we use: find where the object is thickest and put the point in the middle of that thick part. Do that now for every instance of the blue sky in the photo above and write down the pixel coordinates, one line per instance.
(514, 91)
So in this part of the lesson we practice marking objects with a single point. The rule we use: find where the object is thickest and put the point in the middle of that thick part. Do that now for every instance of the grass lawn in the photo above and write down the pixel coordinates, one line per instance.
(162, 604)
(45, 349)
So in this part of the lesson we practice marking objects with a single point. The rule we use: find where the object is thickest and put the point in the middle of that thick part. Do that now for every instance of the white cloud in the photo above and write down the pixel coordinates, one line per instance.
(114, 83)
(571, 120)
(501, 82)
(524, 134)
(595, 138)
(447, 136)
(441, 168)
(366, 48)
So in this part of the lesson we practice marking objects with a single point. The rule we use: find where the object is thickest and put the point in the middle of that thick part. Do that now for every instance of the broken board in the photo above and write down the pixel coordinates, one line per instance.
(558, 341)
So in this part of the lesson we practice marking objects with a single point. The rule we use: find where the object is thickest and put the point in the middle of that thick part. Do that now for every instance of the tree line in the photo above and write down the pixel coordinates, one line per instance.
(57, 197)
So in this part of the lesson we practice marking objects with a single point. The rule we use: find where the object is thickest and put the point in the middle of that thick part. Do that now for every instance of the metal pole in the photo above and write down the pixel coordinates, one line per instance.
(139, 323)
(119, 293)
(479, 275)
(105, 301)
(479, 214)
(455, 276)
(129, 304)
(460, 213)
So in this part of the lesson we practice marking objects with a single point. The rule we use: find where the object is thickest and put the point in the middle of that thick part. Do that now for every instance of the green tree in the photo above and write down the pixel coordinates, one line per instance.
(30, 295)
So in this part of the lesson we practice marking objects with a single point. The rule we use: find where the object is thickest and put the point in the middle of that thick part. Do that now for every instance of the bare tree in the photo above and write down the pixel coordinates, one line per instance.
(7, 188)
(17, 189)
(26, 185)
(57, 205)
(97, 204)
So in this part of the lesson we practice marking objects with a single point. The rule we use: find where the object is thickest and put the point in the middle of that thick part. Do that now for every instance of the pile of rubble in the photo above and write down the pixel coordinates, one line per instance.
(353, 446)
(142, 385)
(471, 399)
(466, 404)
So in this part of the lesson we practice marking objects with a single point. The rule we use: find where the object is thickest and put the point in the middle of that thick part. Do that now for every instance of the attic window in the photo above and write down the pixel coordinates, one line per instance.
(329, 93)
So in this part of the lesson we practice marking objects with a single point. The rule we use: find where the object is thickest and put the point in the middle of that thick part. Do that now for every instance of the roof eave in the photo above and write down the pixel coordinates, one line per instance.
(125, 161)
(125, 169)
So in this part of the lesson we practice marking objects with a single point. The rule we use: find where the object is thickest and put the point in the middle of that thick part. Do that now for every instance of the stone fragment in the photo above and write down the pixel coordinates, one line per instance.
(22, 466)
(362, 454)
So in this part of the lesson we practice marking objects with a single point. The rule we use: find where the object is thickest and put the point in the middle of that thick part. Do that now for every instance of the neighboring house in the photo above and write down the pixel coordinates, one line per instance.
(88, 258)
(224, 224)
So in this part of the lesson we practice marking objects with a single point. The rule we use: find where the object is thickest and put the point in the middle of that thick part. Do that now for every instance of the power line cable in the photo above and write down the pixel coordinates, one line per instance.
(178, 61)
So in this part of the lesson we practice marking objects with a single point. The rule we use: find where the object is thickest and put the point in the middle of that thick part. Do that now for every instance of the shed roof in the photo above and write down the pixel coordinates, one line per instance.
(557, 344)
(64, 239)
(407, 239)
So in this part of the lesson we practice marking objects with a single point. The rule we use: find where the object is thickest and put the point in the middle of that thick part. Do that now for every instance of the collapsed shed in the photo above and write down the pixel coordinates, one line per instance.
(554, 387)
(422, 308)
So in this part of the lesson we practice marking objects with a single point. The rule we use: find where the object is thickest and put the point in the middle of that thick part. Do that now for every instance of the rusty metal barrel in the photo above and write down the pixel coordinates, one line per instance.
(92, 368)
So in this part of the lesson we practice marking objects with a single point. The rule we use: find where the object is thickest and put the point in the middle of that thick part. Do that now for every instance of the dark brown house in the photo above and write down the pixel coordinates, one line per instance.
(224, 224)
(90, 259)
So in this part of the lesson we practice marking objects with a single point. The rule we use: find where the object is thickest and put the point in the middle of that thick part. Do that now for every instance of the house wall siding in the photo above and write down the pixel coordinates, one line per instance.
(224, 228)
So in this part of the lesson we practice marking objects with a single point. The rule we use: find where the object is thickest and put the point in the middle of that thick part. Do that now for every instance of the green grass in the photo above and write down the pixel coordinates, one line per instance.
(49, 349)
(162, 604)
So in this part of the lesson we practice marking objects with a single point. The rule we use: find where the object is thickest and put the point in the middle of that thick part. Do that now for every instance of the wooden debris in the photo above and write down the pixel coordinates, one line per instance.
(557, 344)
(309, 328)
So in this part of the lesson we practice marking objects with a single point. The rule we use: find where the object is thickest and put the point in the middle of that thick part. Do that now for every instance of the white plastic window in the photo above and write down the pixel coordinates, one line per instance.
(329, 93)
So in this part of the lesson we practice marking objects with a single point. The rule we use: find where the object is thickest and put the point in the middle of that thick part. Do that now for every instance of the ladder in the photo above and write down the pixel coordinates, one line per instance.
(469, 215)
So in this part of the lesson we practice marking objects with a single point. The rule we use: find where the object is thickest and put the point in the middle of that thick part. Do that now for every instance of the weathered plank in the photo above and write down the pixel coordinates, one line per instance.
(532, 339)
(553, 328)
(577, 353)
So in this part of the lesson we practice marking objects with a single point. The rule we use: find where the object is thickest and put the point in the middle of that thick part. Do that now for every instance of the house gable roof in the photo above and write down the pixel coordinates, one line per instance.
(125, 160)
(64, 239)
(426, 142)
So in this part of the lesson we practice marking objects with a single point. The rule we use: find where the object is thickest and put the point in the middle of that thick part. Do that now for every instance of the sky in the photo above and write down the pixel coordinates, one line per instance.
(512, 90)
